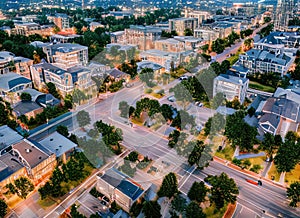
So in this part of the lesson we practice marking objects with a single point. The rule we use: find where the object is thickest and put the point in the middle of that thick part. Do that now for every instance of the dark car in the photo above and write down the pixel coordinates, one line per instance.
(104, 203)
(105, 199)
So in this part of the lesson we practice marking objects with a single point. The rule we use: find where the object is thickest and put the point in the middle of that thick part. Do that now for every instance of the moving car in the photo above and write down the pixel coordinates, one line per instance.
(183, 78)
(171, 98)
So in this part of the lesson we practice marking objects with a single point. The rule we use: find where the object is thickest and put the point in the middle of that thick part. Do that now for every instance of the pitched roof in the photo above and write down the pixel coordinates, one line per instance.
(24, 107)
(117, 73)
(122, 182)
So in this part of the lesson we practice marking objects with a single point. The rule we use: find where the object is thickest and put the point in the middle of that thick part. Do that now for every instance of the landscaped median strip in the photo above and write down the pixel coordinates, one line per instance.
(230, 210)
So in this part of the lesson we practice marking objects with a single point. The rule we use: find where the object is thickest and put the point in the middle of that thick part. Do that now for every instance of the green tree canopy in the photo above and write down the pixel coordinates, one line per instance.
(193, 210)
(151, 209)
(63, 130)
(3, 208)
(83, 118)
(293, 193)
(25, 96)
(169, 186)
(224, 189)
(198, 192)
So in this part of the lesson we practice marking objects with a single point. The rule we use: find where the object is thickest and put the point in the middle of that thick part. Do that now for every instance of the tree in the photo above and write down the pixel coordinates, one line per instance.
(248, 44)
(188, 32)
(195, 155)
(25, 96)
(3, 208)
(23, 186)
(169, 186)
(217, 68)
(167, 111)
(287, 156)
(194, 211)
(74, 213)
(223, 189)
(83, 118)
(151, 209)
(178, 204)
(146, 76)
(235, 129)
(293, 193)
(198, 192)
(63, 130)
(225, 65)
(133, 156)
(52, 89)
(270, 145)
(124, 108)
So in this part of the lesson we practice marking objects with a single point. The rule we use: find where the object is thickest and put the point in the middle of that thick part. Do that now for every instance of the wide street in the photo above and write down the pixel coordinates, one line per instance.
(252, 199)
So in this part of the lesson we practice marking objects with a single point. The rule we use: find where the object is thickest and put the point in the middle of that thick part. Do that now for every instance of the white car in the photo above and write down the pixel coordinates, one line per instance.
(171, 99)
(198, 103)
(183, 77)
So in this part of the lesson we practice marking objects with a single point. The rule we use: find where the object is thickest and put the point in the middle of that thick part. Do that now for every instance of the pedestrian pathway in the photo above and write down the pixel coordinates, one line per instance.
(282, 178)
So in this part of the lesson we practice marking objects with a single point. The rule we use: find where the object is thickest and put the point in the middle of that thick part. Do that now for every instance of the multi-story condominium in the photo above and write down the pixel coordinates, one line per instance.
(63, 38)
(62, 21)
(11, 137)
(22, 66)
(6, 61)
(77, 77)
(178, 44)
(284, 13)
(30, 28)
(201, 16)
(38, 161)
(163, 58)
(213, 31)
(231, 87)
(67, 54)
(120, 188)
(181, 24)
(263, 61)
(120, 14)
(288, 39)
(95, 25)
(142, 36)
(11, 84)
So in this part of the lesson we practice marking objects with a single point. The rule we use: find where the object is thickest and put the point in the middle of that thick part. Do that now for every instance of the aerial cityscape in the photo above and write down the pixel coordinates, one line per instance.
(172, 109)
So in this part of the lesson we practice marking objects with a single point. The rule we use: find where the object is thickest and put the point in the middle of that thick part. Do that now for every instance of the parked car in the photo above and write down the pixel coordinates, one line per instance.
(183, 77)
(105, 199)
(198, 103)
(171, 99)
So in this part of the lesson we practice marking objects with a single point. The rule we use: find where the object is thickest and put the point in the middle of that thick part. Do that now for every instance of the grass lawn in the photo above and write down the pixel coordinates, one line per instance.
(156, 95)
(213, 212)
(233, 59)
(293, 176)
(273, 172)
(46, 203)
(258, 86)
(257, 161)
(226, 153)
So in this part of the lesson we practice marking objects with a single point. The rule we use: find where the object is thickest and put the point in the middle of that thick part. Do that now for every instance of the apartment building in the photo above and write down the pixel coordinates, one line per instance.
(178, 44)
(6, 61)
(181, 24)
(211, 32)
(38, 161)
(22, 66)
(11, 84)
(201, 16)
(120, 188)
(8, 137)
(31, 28)
(231, 86)
(141, 36)
(66, 54)
(263, 61)
(62, 21)
(65, 80)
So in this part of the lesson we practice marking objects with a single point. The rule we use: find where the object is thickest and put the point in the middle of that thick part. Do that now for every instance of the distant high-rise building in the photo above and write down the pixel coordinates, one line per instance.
(284, 13)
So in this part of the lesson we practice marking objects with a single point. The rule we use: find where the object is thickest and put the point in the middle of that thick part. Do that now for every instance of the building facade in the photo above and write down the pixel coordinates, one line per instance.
(231, 87)
(181, 24)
